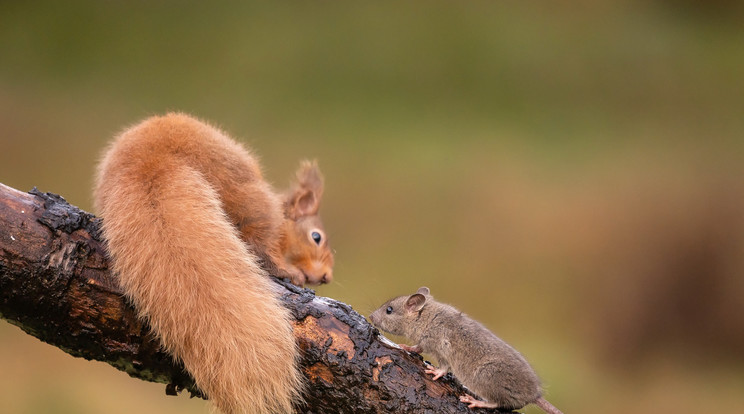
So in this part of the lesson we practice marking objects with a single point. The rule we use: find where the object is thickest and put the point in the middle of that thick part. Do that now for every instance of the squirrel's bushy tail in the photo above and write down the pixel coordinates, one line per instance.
(187, 272)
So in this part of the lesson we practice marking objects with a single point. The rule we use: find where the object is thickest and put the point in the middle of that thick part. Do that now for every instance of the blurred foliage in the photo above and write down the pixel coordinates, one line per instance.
(571, 175)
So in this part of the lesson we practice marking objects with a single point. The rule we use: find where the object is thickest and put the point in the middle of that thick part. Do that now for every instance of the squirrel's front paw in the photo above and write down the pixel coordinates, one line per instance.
(292, 273)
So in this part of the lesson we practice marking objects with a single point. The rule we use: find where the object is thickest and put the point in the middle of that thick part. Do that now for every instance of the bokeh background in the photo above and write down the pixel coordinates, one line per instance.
(569, 174)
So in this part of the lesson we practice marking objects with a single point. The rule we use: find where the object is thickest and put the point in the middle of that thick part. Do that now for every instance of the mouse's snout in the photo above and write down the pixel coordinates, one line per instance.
(373, 318)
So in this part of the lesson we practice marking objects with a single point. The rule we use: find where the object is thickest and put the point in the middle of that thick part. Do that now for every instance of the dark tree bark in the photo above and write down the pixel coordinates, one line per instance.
(55, 284)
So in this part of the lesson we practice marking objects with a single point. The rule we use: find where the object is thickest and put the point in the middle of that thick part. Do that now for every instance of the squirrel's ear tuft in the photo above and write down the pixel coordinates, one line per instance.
(423, 290)
(415, 302)
(309, 176)
(303, 198)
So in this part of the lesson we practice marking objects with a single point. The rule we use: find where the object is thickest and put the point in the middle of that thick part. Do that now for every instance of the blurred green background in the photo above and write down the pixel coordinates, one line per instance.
(568, 174)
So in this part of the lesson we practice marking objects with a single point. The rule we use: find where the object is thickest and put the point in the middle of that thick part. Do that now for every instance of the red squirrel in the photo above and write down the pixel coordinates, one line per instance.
(194, 230)
(484, 363)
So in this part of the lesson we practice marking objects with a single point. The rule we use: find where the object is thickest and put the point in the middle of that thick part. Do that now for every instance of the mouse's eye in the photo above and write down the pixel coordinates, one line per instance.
(316, 237)
(389, 310)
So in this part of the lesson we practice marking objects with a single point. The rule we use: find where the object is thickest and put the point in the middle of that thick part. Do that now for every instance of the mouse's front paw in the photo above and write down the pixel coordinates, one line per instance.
(437, 372)
(410, 348)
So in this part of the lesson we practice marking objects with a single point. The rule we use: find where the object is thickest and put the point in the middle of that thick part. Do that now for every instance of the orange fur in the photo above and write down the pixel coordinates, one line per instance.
(192, 228)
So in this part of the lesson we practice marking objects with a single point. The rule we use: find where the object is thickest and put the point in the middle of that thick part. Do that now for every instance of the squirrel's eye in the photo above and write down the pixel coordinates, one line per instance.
(316, 237)
(389, 310)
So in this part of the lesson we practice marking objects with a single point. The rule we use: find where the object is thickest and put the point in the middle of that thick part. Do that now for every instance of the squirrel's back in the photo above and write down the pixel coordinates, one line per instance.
(169, 191)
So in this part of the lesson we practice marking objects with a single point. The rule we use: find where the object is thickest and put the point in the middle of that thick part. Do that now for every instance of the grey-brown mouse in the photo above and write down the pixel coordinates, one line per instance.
(479, 359)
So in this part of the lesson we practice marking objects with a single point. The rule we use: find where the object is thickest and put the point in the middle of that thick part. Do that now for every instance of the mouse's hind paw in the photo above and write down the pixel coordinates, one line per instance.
(473, 402)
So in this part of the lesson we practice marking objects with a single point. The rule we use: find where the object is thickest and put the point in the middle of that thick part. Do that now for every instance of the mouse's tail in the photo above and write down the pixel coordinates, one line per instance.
(546, 406)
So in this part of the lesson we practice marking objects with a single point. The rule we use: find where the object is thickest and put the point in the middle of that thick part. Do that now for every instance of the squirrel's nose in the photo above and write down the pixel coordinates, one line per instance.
(327, 277)
(318, 274)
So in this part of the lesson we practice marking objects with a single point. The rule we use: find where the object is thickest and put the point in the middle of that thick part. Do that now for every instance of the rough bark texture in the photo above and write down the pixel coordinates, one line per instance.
(55, 284)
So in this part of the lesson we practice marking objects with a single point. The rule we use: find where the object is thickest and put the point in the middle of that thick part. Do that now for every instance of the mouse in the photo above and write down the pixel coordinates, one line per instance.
(483, 362)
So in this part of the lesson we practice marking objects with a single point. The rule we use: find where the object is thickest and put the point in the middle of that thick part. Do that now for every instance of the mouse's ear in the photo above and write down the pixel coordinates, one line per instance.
(415, 302)
(423, 290)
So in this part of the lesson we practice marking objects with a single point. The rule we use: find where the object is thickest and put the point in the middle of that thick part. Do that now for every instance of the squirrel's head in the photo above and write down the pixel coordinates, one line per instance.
(398, 315)
(305, 244)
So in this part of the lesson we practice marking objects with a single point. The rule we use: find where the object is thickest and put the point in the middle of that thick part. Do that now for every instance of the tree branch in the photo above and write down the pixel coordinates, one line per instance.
(55, 284)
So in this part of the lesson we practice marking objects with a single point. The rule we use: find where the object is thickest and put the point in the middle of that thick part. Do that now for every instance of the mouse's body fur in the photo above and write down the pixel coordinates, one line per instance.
(479, 359)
